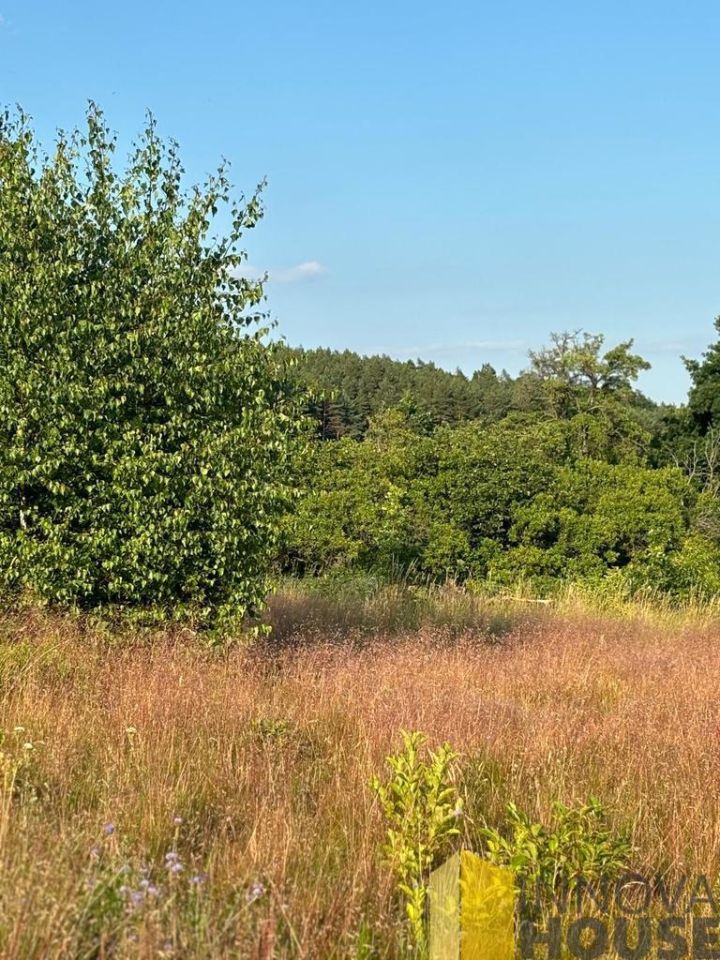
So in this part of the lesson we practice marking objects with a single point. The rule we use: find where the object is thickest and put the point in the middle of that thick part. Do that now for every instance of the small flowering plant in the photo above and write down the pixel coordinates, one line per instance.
(122, 893)
(254, 892)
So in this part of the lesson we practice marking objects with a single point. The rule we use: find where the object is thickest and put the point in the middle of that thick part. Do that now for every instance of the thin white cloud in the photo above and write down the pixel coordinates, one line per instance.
(674, 346)
(453, 349)
(248, 272)
(309, 270)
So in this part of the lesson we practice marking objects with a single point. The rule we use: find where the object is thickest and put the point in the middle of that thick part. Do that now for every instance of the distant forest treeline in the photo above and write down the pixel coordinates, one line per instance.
(347, 389)
(564, 473)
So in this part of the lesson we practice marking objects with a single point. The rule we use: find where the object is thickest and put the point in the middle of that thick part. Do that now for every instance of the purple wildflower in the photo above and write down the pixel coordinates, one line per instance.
(255, 891)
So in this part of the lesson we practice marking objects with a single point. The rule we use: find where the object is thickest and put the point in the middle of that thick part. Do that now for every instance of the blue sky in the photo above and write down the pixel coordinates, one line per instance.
(451, 181)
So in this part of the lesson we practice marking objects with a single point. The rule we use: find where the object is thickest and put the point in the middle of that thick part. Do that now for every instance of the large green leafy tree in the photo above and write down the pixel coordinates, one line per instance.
(144, 421)
(579, 377)
(360, 506)
(574, 378)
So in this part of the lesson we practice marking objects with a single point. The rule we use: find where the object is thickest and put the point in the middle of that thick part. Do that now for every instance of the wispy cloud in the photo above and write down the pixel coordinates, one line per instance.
(692, 343)
(455, 349)
(309, 270)
(248, 272)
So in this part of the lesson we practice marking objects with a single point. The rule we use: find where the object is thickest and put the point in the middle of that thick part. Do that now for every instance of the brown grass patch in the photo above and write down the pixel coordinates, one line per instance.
(265, 754)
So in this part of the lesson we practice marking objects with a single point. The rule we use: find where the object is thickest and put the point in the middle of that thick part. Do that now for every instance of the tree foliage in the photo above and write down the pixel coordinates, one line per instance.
(704, 398)
(144, 422)
(347, 391)
(574, 476)
(147, 425)
(570, 377)
(523, 499)
(579, 378)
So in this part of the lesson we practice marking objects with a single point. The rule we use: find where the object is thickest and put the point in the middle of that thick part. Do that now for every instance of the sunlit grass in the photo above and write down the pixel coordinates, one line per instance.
(162, 799)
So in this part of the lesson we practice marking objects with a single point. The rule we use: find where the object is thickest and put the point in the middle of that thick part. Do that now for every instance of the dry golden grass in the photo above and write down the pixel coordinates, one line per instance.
(265, 755)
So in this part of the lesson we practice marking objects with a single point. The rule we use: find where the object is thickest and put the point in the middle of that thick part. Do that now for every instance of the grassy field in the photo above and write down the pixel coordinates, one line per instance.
(161, 799)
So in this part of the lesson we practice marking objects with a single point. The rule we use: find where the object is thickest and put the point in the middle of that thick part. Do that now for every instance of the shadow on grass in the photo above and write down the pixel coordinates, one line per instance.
(361, 607)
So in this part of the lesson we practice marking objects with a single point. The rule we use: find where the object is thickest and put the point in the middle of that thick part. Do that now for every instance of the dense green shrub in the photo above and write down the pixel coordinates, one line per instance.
(694, 570)
(578, 848)
(480, 477)
(517, 500)
(596, 517)
(144, 423)
(360, 507)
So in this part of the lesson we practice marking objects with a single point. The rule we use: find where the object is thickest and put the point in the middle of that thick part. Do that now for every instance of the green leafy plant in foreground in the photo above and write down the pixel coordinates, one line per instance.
(421, 807)
(578, 847)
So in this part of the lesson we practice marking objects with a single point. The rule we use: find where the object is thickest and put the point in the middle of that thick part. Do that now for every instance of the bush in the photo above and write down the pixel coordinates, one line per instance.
(144, 423)
(695, 569)
(578, 847)
(597, 517)
(421, 807)
(511, 502)
(359, 509)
